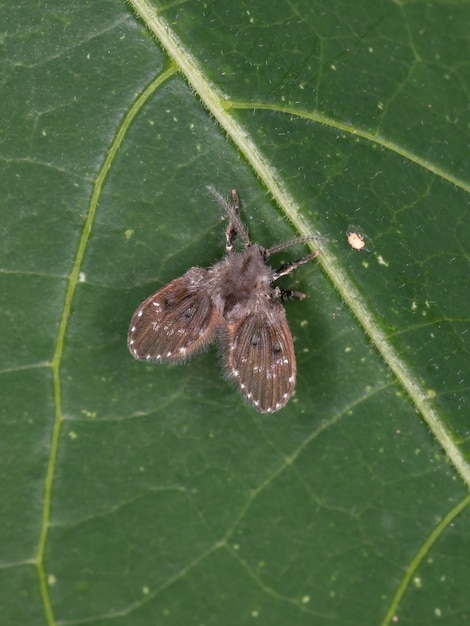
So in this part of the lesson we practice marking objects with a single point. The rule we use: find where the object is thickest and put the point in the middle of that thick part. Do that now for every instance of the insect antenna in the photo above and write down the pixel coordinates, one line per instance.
(236, 226)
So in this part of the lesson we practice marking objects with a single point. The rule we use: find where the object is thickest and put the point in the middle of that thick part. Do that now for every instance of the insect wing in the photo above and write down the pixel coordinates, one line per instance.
(260, 358)
(175, 322)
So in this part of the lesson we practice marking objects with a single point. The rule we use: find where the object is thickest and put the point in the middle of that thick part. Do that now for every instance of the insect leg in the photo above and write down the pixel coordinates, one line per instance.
(231, 231)
(286, 294)
(287, 268)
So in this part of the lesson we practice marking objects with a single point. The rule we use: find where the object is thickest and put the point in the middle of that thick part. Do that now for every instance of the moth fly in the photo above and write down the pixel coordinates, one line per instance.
(235, 302)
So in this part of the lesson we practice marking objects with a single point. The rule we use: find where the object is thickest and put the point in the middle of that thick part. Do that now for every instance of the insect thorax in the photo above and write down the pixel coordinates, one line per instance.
(241, 278)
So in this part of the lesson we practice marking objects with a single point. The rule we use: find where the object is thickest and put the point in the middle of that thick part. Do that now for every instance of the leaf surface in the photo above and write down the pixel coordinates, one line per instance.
(141, 494)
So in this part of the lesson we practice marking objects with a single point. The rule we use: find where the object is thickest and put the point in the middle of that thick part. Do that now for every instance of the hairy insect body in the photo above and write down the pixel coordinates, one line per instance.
(233, 301)
(242, 280)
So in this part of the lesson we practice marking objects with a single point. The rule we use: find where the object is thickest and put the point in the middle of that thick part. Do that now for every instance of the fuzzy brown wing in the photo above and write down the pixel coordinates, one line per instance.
(175, 322)
(260, 358)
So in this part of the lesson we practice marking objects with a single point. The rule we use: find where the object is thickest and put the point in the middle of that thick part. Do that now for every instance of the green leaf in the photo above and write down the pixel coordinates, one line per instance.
(143, 494)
